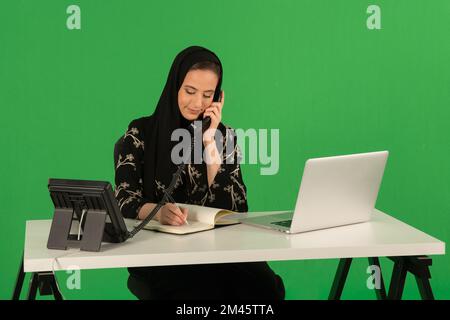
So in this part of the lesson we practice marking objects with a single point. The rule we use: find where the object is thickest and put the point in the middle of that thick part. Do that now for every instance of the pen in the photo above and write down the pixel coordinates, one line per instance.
(174, 202)
(185, 220)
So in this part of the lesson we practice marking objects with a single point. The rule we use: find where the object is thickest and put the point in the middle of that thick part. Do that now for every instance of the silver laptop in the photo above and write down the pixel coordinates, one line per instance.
(334, 191)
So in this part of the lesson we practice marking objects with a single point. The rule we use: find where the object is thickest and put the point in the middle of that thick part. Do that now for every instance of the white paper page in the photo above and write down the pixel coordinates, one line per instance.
(205, 215)
(193, 226)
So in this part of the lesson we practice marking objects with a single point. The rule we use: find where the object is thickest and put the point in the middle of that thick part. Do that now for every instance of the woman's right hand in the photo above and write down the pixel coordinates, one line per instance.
(171, 214)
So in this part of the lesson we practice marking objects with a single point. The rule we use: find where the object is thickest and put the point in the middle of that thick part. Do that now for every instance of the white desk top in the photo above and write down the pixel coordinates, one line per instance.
(382, 236)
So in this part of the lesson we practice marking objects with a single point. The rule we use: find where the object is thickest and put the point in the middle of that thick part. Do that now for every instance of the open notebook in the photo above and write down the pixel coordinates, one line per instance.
(199, 219)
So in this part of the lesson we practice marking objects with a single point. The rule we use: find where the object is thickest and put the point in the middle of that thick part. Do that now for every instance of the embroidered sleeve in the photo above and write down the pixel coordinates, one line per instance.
(128, 172)
(228, 190)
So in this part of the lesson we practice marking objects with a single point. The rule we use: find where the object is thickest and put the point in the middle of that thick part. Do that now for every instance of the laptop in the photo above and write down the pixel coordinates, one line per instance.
(334, 191)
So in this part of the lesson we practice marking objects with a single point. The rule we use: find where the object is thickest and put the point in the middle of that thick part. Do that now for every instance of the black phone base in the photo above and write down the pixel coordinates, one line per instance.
(93, 233)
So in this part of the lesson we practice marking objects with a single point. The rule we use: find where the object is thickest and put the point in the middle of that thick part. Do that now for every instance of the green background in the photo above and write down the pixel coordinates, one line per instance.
(311, 69)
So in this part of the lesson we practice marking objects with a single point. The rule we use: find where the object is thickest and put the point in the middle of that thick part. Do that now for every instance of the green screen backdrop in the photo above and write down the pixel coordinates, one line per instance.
(312, 69)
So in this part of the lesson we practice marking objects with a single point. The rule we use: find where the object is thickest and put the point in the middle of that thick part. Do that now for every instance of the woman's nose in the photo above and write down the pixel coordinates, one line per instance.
(198, 103)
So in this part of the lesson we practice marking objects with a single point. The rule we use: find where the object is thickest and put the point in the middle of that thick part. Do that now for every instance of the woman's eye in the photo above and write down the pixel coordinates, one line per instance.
(193, 92)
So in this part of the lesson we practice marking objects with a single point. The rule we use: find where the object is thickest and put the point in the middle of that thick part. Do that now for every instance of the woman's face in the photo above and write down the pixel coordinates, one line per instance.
(196, 93)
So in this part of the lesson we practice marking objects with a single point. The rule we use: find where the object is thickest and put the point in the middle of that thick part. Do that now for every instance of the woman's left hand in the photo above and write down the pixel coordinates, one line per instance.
(214, 111)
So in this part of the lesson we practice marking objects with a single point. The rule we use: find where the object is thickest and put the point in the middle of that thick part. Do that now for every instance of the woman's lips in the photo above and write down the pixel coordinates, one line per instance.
(193, 111)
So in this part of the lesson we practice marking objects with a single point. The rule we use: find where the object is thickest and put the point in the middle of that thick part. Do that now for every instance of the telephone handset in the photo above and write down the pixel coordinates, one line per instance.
(207, 121)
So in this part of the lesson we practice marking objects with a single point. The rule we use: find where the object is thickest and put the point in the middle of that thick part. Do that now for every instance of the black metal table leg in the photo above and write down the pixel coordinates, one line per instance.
(34, 282)
(56, 293)
(419, 267)
(398, 280)
(424, 288)
(422, 274)
(340, 278)
(380, 292)
(19, 282)
(46, 283)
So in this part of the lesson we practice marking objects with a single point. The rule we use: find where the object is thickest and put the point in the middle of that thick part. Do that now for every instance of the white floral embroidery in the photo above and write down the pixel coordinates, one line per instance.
(236, 151)
(129, 158)
(235, 172)
(205, 197)
(124, 201)
(178, 182)
(132, 195)
(160, 186)
(236, 197)
(132, 134)
(124, 185)
(240, 186)
(193, 175)
(163, 190)
(214, 185)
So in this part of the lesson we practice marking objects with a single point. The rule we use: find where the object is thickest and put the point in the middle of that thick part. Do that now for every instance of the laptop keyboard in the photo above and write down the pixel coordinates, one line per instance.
(284, 223)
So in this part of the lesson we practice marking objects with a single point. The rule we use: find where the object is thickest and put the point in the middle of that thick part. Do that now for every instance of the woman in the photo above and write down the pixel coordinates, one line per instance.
(145, 168)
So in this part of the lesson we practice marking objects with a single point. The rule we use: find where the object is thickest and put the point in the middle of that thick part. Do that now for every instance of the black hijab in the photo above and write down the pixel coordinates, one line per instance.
(165, 119)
